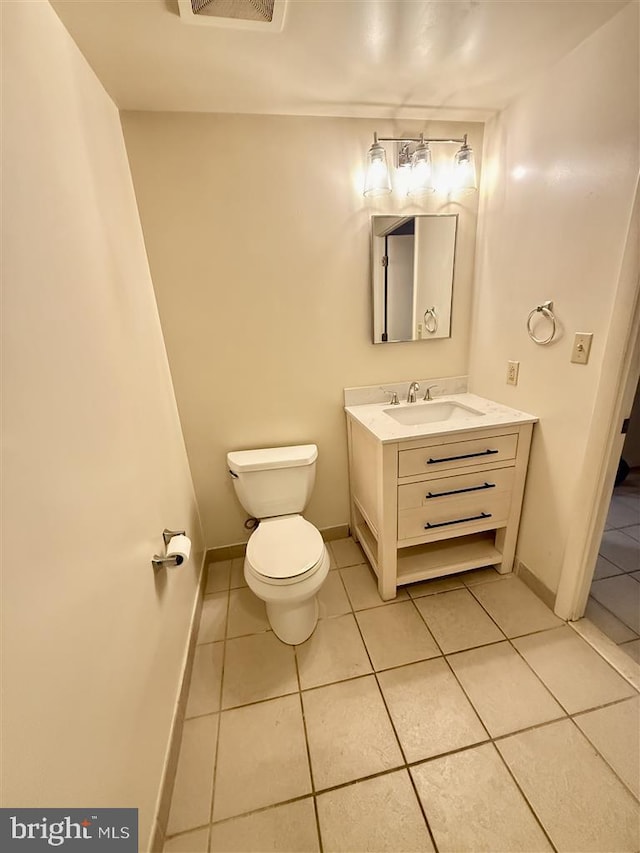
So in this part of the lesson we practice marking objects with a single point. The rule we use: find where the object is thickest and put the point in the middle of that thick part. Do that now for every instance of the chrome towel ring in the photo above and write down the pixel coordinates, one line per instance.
(546, 309)
(430, 320)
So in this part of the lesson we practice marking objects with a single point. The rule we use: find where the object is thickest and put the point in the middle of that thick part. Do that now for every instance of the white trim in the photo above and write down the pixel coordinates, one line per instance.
(623, 664)
(618, 380)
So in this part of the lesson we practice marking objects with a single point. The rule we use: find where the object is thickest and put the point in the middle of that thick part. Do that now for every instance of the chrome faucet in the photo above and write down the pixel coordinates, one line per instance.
(427, 393)
(411, 394)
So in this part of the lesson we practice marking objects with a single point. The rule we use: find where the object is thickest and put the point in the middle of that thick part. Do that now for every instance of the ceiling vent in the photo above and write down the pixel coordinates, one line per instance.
(238, 14)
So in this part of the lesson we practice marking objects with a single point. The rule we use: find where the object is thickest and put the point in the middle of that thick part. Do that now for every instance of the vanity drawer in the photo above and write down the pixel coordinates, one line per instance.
(451, 490)
(457, 454)
(477, 511)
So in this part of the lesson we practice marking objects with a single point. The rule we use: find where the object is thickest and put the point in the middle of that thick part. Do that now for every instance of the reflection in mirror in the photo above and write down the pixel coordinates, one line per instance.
(412, 272)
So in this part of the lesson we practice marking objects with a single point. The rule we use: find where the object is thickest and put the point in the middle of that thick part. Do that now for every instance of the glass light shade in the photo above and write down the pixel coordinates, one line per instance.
(377, 181)
(464, 170)
(421, 172)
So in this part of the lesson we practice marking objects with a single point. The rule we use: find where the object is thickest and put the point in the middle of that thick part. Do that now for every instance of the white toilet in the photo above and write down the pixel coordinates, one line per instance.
(286, 561)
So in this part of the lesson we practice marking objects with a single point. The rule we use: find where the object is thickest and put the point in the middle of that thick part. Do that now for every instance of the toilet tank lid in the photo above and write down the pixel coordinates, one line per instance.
(272, 457)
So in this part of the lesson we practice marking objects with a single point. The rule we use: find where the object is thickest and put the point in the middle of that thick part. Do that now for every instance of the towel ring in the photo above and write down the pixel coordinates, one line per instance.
(546, 310)
(430, 320)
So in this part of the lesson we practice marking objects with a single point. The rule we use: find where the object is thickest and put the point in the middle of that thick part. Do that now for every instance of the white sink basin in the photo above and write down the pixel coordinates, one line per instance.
(430, 412)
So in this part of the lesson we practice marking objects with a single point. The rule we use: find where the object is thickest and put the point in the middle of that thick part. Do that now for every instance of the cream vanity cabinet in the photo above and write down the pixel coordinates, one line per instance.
(427, 507)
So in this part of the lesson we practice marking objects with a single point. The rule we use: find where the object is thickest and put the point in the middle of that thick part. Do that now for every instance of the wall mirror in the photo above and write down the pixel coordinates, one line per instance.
(412, 276)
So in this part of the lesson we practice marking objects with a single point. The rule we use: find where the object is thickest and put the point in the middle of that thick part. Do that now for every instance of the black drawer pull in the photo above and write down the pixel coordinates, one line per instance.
(460, 491)
(482, 515)
(464, 456)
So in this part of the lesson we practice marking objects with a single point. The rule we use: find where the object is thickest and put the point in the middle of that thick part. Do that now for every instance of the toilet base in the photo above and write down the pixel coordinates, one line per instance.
(293, 623)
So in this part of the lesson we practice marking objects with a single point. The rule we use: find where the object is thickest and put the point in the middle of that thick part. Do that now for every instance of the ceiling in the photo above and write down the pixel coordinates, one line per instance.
(379, 58)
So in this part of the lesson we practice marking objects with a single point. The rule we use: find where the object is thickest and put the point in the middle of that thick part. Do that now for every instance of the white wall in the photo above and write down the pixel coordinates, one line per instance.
(259, 245)
(94, 461)
(560, 168)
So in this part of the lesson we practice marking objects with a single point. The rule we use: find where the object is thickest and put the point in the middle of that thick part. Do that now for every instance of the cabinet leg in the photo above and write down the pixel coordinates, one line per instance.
(507, 545)
(386, 587)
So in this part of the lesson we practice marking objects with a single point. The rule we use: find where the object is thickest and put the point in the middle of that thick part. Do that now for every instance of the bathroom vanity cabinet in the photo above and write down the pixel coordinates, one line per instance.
(440, 503)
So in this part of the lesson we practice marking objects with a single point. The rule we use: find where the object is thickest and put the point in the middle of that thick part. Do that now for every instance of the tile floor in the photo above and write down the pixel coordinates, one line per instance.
(461, 716)
(614, 599)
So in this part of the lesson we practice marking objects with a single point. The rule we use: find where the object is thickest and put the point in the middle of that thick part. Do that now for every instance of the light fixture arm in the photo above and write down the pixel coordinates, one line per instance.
(421, 139)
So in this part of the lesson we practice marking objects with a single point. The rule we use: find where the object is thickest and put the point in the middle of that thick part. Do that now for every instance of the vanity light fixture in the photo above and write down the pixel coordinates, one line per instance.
(414, 154)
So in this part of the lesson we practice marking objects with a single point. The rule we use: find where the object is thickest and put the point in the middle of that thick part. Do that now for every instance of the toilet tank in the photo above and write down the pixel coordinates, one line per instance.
(274, 480)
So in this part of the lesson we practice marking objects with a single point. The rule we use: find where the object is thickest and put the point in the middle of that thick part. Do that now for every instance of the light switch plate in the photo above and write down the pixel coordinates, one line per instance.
(513, 368)
(581, 347)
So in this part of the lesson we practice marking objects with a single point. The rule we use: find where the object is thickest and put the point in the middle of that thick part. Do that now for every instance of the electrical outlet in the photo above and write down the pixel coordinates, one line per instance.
(512, 372)
(419, 331)
(581, 347)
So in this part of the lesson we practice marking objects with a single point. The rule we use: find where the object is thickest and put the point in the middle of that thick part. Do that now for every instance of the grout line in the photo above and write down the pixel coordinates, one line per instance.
(266, 808)
(397, 737)
(406, 765)
(606, 761)
(536, 817)
(306, 743)
(220, 694)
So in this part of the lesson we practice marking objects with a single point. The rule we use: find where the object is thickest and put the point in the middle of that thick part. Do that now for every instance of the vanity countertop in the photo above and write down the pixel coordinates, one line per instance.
(372, 417)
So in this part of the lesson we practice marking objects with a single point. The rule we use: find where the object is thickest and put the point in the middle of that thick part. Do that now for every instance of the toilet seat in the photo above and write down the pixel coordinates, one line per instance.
(285, 550)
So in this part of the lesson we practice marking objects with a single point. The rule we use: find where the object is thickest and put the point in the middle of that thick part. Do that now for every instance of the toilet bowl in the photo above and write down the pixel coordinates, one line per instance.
(286, 560)
(285, 565)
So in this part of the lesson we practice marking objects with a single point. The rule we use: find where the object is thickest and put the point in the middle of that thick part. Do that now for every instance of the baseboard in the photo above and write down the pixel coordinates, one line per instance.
(534, 583)
(232, 552)
(156, 842)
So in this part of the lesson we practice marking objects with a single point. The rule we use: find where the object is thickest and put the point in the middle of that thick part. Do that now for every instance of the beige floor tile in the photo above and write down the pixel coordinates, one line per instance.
(237, 573)
(457, 621)
(396, 635)
(473, 804)
(333, 652)
(573, 792)
(262, 757)
(632, 649)
(380, 814)
(514, 607)
(204, 690)
(213, 618)
(615, 733)
(332, 598)
(247, 613)
(576, 674)
(218, 575)
(290, 828)
(429, 710)
(346, 552)
(620, 549)
(191, 800)
(620, 595)
(362, 588)
(503, 690)
(483, 576)
(605, 569)
(191, 842)
(257, 667)
(349, 732)
(417, 590)
(608, 623)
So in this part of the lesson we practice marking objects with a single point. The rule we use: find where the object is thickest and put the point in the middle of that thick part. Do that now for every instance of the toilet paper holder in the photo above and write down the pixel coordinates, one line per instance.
(174, 560)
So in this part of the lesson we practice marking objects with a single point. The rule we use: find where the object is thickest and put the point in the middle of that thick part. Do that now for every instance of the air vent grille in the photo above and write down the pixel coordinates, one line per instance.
(244, 10)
